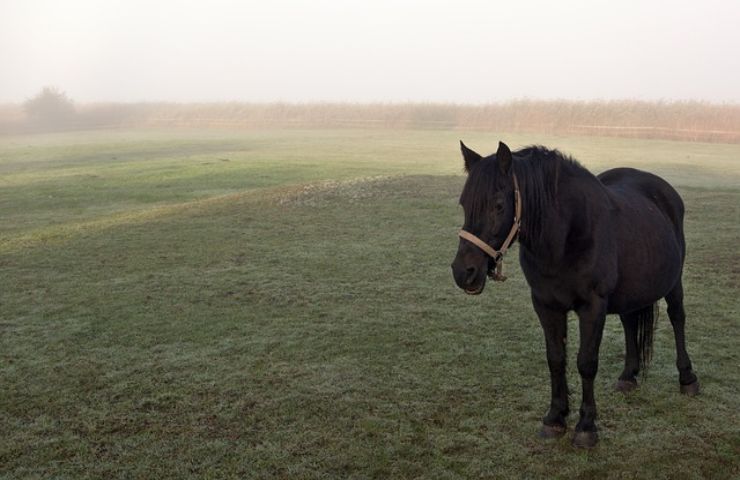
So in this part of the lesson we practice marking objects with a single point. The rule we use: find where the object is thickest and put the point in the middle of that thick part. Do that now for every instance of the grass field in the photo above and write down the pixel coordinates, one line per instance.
(279, 304)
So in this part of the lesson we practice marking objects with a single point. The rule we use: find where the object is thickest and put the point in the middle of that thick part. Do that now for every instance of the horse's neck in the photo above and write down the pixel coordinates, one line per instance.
(568, 223)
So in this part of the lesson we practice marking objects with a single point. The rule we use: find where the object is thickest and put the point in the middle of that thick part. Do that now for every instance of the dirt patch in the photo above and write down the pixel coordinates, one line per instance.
(353, 191)
(358, 190)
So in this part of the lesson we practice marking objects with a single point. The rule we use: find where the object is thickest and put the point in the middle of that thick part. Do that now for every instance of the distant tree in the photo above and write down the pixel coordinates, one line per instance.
(50, 107)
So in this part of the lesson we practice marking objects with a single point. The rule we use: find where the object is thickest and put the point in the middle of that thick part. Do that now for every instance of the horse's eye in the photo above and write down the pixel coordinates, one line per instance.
(499, 207)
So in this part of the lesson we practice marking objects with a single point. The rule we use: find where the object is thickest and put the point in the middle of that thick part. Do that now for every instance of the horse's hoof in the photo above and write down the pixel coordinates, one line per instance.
(551, 431)
(625, 386)
(585, 439)
(692, 389)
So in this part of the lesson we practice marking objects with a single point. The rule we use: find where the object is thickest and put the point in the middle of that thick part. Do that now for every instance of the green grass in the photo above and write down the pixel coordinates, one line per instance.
(279, 305)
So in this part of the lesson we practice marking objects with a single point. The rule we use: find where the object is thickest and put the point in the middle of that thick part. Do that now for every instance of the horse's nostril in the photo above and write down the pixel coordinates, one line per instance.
(471, 274)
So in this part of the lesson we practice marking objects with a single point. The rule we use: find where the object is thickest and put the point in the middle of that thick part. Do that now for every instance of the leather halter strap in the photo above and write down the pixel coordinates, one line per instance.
(489, 250)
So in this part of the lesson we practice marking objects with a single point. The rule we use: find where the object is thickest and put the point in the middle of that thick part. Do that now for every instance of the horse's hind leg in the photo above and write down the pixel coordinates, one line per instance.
(686, 377)
(628, 379)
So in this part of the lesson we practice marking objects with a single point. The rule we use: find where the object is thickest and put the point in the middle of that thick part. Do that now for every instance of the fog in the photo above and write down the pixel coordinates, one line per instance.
(360, 51)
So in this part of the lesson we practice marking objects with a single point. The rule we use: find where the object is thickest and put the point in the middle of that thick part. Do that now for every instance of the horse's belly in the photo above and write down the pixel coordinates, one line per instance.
(647, 272)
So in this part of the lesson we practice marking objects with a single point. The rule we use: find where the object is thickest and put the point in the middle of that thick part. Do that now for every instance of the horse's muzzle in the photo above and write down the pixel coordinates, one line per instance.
(471, 278)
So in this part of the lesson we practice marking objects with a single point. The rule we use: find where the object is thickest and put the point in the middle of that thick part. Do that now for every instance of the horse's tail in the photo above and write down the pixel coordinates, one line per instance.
(646, 320)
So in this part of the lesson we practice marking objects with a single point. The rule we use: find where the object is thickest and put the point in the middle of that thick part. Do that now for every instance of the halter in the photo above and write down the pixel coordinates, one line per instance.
(498, 255)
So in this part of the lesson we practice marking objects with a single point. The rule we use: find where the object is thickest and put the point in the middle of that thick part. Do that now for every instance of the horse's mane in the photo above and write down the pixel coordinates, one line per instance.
(538, 170)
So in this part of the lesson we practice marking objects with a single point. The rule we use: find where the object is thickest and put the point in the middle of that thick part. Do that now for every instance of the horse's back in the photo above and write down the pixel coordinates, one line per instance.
(638, 184)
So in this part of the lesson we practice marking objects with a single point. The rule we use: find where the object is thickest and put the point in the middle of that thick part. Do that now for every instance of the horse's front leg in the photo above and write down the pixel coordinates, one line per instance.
(591, 316)
(555, 325)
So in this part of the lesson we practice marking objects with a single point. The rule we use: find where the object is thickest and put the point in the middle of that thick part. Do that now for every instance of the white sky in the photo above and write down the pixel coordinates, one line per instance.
(365, 50)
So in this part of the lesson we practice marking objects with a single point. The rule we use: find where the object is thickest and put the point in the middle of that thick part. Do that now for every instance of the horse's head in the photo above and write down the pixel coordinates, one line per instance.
(489, 202)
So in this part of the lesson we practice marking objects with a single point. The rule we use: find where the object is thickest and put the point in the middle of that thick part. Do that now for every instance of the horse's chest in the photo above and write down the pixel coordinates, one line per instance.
(559, 289)
(576, 279)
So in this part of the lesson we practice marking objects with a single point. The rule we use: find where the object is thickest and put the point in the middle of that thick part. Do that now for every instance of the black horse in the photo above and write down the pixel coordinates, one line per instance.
(596, 245)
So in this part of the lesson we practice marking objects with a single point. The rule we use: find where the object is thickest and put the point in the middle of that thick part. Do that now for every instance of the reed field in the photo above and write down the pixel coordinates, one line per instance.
(672, 120)
(201, 302)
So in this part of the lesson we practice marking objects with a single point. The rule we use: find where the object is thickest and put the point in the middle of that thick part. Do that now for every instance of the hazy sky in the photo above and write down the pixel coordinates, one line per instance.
(337, 50)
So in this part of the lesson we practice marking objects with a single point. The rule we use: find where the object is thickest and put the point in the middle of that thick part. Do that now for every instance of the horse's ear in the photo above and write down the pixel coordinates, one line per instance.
(503, 155)
(470, 157)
